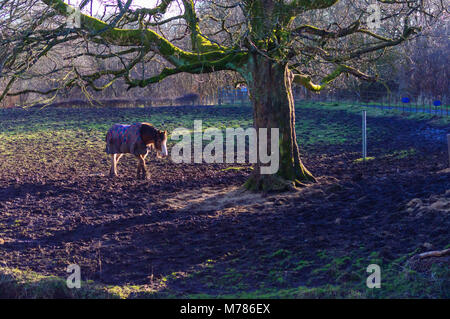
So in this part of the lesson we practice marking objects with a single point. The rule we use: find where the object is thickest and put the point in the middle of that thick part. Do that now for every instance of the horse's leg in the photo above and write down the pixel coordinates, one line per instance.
(117, 161)
(113, 170)
(144, 167)
(138, 174)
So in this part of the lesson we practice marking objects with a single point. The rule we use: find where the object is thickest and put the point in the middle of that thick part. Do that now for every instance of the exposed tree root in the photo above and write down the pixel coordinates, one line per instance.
(274, 183)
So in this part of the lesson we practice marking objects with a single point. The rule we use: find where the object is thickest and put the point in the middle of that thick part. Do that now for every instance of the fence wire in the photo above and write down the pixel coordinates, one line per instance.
(403, 102)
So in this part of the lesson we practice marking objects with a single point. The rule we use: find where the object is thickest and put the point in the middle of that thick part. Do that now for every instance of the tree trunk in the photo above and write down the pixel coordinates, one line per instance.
(270, 87)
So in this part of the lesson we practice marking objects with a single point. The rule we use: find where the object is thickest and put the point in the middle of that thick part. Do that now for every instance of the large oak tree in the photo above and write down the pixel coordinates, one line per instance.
(271, 44)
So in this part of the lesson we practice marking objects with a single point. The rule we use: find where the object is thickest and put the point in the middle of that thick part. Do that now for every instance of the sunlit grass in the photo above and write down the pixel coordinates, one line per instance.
(346, 276)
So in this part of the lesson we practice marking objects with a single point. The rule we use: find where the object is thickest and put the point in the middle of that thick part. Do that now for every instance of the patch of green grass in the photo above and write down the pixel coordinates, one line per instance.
(359, 160)
(436, 119)
(20, 284)
(397, 281)
(322, 254)
(309, 132)
(328, 276)
(281, 253)
(301, 292)
(402, 154)
(302, 264)
(16, 283)
(339, 277)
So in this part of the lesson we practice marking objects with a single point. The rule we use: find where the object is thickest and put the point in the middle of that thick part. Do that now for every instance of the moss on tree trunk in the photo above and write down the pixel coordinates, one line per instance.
(270, 87)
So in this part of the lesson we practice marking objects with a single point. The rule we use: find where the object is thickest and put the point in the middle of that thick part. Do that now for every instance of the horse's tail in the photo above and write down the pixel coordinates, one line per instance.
(108, 138)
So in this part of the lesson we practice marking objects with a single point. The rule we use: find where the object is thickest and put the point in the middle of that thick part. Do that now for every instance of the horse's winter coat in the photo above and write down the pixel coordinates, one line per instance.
(125, 139)
(135, 139)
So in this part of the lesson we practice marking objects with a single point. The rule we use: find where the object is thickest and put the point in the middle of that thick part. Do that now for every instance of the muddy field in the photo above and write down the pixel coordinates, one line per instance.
(190, 229)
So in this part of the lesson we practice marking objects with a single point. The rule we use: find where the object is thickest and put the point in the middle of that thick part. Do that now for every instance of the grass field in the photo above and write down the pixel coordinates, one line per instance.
(189, 231)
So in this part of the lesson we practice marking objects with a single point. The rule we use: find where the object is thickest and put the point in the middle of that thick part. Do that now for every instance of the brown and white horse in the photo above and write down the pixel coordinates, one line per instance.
(135, 139)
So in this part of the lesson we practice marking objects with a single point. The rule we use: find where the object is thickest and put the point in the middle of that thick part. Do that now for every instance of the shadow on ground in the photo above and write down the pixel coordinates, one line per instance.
(189, 231)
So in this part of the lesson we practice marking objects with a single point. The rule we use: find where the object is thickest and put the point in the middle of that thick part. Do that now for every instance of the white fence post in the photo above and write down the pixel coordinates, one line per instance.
(364, 135)
(448, 145)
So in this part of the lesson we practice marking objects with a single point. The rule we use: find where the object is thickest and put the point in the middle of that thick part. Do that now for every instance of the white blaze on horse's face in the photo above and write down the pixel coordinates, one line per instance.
(163, 151)
(164, 148)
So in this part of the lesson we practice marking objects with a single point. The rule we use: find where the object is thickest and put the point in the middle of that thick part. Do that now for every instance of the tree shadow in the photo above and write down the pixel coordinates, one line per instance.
(25, 189)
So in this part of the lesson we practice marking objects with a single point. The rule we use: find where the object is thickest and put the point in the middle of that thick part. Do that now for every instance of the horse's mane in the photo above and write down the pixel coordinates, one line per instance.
(147, 128)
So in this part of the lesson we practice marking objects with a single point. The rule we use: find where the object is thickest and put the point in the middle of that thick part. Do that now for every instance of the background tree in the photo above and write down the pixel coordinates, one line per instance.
(270, 44)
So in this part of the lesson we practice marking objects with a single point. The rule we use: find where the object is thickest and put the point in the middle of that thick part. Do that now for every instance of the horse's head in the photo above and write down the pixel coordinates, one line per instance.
(160, 144)
(156, 138)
